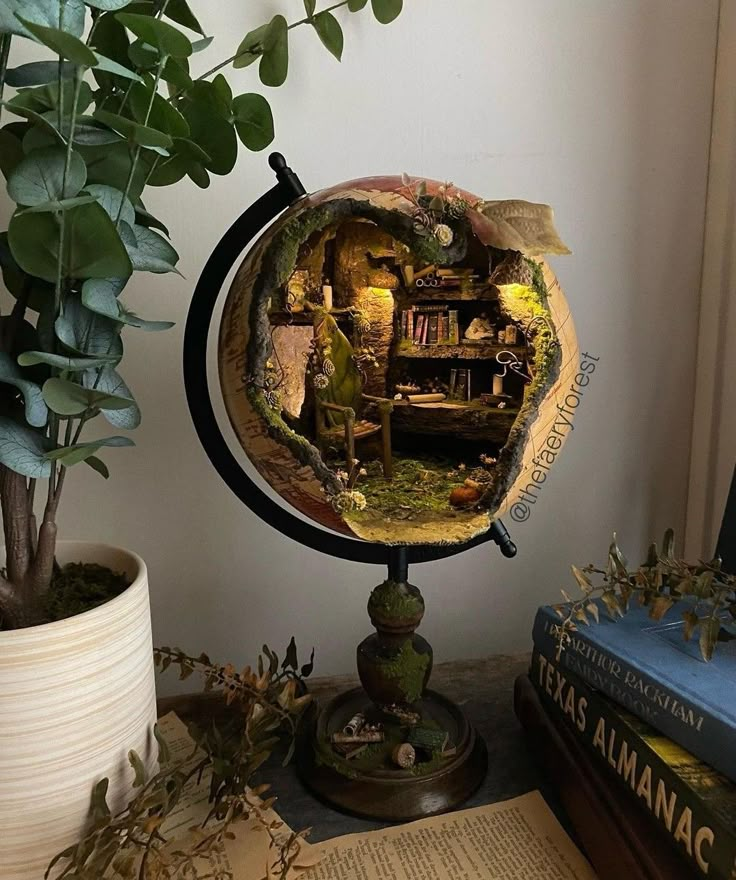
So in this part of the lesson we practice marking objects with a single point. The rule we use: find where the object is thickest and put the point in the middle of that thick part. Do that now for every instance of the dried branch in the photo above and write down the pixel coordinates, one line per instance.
(132, 845)
(705, 593)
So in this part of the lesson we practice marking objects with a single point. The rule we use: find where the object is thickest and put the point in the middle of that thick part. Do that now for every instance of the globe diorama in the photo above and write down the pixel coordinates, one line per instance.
(390, 352)
(394, 357)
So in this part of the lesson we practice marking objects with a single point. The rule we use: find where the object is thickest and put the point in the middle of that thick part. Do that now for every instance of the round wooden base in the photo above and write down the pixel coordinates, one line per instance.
(369, 785)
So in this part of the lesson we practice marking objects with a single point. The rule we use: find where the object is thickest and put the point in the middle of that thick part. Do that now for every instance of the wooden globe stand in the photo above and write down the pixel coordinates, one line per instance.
(394, 666)
(395, 663)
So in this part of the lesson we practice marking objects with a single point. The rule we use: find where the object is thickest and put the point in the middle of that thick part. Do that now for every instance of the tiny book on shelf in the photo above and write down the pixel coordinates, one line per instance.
(650, 669)
(419, 328)
(693, 805)
(433, 330)
(453, 333)
(410, 325)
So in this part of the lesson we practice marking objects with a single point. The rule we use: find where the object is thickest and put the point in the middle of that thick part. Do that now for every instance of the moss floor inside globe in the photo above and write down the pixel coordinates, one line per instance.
(414, 506)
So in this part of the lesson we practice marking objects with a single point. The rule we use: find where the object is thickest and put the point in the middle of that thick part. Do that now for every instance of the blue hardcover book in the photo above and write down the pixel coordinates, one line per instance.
(650, 669)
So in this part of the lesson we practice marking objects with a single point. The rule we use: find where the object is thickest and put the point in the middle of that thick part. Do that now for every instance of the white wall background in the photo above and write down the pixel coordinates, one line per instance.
(599, 107)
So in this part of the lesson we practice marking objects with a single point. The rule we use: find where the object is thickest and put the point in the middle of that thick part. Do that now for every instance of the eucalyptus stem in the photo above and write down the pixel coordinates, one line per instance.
(289, 27)
(138, 149)
(4, 53)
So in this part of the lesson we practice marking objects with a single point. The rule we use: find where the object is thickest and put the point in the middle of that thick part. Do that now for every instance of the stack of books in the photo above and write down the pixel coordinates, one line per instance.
(638, 734)
(430, 325)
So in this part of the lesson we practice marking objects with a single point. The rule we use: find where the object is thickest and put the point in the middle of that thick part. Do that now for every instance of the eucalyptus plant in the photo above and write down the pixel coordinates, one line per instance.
(117, 108)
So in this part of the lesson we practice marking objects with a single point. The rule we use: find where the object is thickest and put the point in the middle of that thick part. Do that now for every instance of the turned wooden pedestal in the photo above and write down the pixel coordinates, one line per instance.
(394, 665)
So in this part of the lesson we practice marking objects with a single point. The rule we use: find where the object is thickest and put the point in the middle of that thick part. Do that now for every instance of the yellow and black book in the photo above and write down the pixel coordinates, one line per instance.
(693, 804)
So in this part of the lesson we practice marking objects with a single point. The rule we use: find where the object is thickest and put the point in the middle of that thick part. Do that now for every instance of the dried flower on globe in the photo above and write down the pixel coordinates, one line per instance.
(349, 501)
(444, 235)
(320, 381)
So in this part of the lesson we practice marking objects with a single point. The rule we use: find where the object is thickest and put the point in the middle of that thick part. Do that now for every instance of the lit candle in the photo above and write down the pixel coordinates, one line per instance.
(327, 296)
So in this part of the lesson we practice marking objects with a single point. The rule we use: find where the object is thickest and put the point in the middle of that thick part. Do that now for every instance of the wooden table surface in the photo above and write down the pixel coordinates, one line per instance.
(484, 689)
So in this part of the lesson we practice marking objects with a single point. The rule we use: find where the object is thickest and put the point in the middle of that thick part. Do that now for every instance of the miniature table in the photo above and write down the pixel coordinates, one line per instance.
(484, 690)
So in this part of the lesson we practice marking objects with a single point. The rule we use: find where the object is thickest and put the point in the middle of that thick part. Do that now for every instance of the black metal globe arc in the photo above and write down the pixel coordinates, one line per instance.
(287, 190)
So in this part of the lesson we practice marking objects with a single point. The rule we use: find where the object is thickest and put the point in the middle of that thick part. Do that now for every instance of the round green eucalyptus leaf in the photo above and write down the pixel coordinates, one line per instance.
(35, 408)
(62, 362)
(189, 150)
(23, 450)
(163, 116)
(39, 178)
(309, 7)
(108, 5)
(67, 398)
(11, 151)
(38, 73)
(215, 135)
(109, 66)
(79, 452)
(109, 381)
(87, 333)
(170, 171)
(357, 5)
(93, 248)
(60, 205)
(51, 95)
(87, 131)
(113, 201)
(386, 11)
(198, 174)
(63, 43)
(142, 55)
(330, 32)
(251, 47)
(162, 36)
(111, 165)
(143, 135)
(201, 45)
(70, 13)
(147, 219)
(100, 295)
(180, 12)
(274, 66)
(253, 121)
(148, 251)
(176, 73)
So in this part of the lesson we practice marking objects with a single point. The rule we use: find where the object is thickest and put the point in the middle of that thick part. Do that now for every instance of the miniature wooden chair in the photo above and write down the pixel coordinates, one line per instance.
(353, 428)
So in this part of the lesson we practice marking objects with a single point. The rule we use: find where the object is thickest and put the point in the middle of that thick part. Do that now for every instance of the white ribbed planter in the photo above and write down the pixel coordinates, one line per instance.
(75, 696)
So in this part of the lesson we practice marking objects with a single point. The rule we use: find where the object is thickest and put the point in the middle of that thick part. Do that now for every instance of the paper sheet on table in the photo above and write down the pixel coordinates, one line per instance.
(250, 855)
(519, 839)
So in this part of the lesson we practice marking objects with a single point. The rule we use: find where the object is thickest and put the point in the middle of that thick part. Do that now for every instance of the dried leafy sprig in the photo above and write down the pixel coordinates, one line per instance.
(132, 845)
(707, 593)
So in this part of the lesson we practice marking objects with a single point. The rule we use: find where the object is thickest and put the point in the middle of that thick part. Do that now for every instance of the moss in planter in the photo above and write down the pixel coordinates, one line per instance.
(80, 587)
